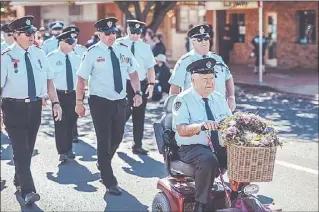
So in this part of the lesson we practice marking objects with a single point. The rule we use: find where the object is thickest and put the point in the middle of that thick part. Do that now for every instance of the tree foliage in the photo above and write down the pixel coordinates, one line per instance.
(157, 9)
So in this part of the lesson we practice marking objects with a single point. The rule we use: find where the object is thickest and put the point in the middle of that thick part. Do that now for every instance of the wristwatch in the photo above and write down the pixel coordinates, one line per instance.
(139, 92)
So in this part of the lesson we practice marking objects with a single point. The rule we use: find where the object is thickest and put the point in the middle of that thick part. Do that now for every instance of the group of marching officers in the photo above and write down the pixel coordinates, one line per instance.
(120, 77)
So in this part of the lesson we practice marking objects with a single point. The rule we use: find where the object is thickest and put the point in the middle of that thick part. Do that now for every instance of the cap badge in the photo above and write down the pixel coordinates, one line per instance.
(202, 30)
(209, 64)
(28, 22)
(137, 26)
(73, 29)
(109, 24)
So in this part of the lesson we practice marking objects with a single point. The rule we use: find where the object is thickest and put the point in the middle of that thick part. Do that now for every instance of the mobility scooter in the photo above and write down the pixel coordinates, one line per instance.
(177, 191)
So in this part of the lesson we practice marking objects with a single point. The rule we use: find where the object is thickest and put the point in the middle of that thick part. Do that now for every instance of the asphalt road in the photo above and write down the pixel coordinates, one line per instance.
(75, 186)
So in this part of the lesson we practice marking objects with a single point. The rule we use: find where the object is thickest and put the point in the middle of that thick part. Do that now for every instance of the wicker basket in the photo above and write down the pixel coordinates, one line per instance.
(251, 164)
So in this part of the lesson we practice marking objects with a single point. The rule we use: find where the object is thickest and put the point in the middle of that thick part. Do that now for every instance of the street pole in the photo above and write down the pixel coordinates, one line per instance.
(260, 42)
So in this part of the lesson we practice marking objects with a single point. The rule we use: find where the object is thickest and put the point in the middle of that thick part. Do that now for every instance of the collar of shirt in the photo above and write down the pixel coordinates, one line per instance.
(63, 54)
(17, 47)
(105, 47)
(200, 55)
(198, 97)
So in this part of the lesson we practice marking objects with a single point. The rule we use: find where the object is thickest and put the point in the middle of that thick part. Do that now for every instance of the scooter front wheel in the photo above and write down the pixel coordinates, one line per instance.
(161, 203)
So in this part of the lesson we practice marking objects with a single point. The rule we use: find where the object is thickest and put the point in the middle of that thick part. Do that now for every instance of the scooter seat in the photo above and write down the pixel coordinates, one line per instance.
(183, 168)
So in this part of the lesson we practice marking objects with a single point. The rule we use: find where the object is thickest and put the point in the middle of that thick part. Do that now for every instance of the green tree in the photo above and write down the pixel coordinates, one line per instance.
(157, 9)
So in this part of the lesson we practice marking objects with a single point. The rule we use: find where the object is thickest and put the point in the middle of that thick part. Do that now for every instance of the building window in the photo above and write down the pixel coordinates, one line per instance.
(238, 27)
(74, 10)
(186, 16)
(307, 26)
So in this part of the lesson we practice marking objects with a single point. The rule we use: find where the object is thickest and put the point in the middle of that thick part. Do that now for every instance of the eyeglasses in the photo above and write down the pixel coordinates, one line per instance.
(108, 33)
(9, 34)
(199, 40)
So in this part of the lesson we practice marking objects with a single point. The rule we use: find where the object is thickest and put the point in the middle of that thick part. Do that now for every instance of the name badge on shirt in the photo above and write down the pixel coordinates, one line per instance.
(124, 59)
(100, 59)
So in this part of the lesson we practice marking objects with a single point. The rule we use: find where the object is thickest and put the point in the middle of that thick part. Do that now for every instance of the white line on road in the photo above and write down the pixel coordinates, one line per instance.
(299, 168)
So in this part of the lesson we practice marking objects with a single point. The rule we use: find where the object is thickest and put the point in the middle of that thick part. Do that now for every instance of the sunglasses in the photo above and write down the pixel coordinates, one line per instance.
(138, 33)
(69, 41)
(199, 40)
(108, 33)
(28, 34)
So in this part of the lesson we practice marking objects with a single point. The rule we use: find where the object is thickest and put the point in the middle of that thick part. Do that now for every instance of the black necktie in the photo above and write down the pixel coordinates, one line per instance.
(31, 82)
(118, 84)
(214, 134)
(133, 48)
(69, 74)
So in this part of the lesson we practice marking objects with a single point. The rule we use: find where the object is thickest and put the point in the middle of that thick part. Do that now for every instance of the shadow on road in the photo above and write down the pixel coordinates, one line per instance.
(72, 172)
(85, 151)
(125, 202)
(294, 116)
(25, 208)
(148, 168)
(3, 184)
(265, 200)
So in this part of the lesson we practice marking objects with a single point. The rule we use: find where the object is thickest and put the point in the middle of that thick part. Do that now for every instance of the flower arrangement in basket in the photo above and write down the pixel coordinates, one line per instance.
(251, 143)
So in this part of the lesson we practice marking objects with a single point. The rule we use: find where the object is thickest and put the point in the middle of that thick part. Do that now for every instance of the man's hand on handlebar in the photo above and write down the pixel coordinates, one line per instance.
(209, 126)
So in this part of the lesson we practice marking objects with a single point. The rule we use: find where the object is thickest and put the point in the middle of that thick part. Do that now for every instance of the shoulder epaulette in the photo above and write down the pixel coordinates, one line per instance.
(91, 47)
(184, 56)
(51, 53)
(122, 44)
(5, 51)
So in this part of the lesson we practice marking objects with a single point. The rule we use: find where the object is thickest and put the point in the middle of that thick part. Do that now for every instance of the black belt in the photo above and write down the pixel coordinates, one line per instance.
(26, 100)
(65, 91)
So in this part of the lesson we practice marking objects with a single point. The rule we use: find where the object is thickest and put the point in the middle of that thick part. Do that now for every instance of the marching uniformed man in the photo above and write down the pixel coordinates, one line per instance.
(144, 57)
(106, 65)
(7, 35)
(181, 80)
(65, 63)
(194, 108)
(26, 77)
(79, 50)
(52, 43)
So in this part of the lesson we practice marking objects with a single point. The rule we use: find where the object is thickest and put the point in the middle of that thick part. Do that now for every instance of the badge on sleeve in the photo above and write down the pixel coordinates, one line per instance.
(177, 105)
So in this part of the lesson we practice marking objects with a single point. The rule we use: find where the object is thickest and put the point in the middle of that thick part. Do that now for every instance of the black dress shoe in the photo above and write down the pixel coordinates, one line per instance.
(63, 157)
(71, 154)
(199, 207)
(76, 140)
(114, 190)
(140, 151)
(30, 198)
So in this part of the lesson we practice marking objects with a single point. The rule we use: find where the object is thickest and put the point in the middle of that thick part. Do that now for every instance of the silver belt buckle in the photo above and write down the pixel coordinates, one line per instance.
(27, 100)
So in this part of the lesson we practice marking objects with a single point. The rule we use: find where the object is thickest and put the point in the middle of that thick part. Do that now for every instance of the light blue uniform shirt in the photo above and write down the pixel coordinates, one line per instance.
(181, 78)
(189, 108)
(14, 78)
(79, 50)
(96, 66)
(57, 60)
(4, 45)
(143, 54)
(50, 45)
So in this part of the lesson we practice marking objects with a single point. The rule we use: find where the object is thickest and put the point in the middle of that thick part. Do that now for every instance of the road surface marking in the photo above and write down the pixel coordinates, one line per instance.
(299, 168)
